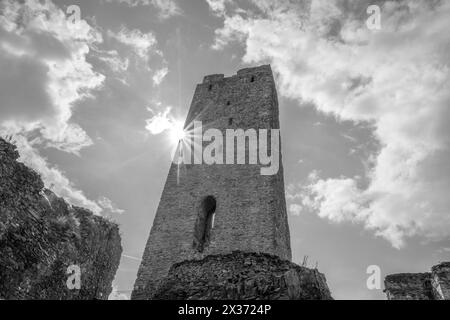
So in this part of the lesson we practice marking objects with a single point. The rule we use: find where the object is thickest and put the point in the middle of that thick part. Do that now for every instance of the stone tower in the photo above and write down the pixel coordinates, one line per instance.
(217, 209)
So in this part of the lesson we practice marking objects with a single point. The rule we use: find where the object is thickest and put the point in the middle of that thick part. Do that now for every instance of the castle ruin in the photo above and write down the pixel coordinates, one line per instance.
(230, 212)
(434, 285)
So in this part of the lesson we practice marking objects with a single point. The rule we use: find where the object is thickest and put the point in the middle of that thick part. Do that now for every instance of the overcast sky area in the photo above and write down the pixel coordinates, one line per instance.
(364, 116)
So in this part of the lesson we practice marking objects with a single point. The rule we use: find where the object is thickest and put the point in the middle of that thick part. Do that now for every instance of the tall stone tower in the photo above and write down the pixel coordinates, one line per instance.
(217, 209)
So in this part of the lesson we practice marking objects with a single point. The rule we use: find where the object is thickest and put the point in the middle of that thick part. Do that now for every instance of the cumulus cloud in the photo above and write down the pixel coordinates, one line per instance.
(397, 79)
(44, 72)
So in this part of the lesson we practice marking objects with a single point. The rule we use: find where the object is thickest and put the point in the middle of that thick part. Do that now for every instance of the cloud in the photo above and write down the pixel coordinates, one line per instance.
(218, 6)
(166, 8)
(159, 75)
(160, 122)
(141, 43)
(107, 205)
(397, 79)
(138, 47)
(295, 209)
(44, 73)
(113, 60)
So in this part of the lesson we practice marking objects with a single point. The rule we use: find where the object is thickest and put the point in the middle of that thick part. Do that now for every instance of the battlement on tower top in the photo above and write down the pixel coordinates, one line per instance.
(241, 74)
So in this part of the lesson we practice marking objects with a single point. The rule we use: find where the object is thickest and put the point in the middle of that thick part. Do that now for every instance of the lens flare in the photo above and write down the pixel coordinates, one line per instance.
(177, 132)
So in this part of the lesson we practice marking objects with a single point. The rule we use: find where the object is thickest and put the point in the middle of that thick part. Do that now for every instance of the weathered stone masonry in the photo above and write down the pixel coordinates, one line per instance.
(434, 285)
(242, 276)
(41, 236)
(249, 209)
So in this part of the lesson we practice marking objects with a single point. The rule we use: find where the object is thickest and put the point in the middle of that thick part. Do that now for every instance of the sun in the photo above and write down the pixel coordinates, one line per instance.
(177, 132)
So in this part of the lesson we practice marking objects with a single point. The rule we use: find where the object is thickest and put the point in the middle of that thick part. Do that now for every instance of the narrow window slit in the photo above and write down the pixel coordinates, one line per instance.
(205, 223)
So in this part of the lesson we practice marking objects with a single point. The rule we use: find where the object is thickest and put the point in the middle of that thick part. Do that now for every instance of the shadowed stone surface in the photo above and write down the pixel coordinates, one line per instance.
(41, 236)
(408, 286)
(242, 276)
(434, 285)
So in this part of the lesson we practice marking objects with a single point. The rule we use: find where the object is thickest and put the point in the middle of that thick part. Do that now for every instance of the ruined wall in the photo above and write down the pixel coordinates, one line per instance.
(250, 213)
(242, 276)
(433, 285)
(408, 286)
(41, 236)
(440, 281)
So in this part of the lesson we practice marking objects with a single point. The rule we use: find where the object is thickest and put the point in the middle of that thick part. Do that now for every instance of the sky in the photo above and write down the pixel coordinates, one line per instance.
(91, 91)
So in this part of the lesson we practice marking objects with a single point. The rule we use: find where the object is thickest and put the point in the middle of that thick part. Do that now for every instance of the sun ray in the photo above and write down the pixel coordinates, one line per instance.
(182, 138)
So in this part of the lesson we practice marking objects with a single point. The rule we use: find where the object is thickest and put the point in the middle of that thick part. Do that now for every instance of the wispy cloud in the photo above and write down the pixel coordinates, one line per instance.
(142, 50)
(159, 75)
(141, 43)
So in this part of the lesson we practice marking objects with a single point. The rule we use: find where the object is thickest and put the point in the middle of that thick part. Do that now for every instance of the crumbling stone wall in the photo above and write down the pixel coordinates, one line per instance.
(408, 286)
(434, 285)
(41, 236)
(440, 281)
(242, 276)
(250, 210)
